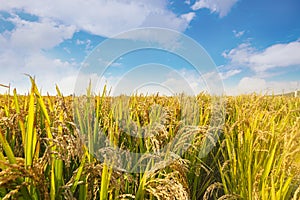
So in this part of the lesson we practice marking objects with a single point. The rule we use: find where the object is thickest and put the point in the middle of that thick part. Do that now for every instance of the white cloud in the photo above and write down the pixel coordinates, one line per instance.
(48, 72)
(22, 52)
(105, 63)
(105, 18)
(240, 54)
(188, 2)
(278, 55)
(21, 56)
(230, 73)
(238, 34)
(188, 17)
(248, 85)
(222, 7)
(36, 36)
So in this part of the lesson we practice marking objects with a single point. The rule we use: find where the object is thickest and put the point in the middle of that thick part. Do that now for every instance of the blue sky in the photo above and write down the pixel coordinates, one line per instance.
(255, 44)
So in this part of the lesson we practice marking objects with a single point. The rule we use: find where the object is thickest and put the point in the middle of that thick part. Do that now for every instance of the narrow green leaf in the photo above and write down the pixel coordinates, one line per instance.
(8, 151)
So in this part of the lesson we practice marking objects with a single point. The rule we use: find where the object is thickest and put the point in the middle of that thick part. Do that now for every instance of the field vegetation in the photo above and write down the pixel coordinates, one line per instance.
(48, 148)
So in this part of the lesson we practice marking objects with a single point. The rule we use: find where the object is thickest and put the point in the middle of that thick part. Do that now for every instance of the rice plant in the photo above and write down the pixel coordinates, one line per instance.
(56, 147)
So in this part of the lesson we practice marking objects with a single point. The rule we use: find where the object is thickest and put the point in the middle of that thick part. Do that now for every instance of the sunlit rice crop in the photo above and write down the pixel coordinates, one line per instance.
(48, 148)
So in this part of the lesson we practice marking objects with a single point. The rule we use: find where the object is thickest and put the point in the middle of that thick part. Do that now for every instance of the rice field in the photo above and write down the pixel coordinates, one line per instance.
(50, 149)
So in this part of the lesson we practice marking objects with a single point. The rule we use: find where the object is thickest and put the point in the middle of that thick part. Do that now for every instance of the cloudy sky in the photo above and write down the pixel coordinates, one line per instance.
(255, 44)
